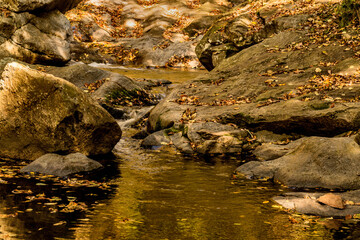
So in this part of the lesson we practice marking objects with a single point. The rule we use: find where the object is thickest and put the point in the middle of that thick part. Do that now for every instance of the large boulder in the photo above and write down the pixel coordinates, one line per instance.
(106, 82)
(264, 89)
(230, 35)
(62, 166)
(41, 38)
(331, 163)
(42, 114)
(38, 5)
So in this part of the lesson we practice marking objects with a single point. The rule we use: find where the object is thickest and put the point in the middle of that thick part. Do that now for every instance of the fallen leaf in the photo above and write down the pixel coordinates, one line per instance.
(332, 200)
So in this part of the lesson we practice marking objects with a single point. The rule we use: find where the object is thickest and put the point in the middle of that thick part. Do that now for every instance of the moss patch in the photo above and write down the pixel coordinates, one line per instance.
(130, 98)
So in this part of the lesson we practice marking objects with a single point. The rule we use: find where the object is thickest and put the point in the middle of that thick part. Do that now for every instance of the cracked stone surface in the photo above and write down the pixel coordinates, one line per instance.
(42, 38)
(40, 114)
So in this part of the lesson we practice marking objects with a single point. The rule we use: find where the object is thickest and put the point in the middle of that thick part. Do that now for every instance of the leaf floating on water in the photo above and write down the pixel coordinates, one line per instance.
(293, 220)
(50, 204)
(18, 191)
(84, 219)
(59, 223)
(71, 198)
(41, 184)
(277, 206)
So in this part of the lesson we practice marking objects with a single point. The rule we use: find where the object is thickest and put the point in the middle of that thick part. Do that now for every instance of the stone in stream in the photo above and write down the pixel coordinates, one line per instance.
(332, 200)
(307, 203)
(40, 114)
(156, 139)
(318, 162)
(181, 143)
(62, 166)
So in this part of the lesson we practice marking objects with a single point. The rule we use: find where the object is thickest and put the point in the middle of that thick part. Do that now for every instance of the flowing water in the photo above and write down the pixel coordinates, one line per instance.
(153, 195)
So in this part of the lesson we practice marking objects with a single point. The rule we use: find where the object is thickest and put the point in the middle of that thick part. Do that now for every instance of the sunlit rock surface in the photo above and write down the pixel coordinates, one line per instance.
(42, 38)
(42, 114)
(36, 31)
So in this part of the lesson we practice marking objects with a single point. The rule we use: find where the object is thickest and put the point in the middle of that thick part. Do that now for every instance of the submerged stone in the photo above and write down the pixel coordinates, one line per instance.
(62, 166)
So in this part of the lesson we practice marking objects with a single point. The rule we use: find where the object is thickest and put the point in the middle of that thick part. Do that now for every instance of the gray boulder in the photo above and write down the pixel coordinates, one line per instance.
(269, 151)
(62, 166)
(331, 163)
(41, 113)
(156, 139)
(181, 143)
(36, 5)
(42, 38)
(80, 74)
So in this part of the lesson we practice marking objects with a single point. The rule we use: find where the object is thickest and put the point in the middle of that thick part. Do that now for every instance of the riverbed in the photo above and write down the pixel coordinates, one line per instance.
(152, 195)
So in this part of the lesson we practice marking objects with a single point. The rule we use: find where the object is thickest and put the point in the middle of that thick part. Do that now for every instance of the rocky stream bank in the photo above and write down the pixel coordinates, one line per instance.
(283, 90)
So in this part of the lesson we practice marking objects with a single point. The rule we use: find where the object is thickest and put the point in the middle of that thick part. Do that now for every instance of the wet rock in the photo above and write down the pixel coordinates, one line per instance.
(141, 134)
(306, 203)
(156, 139)
(331, 163)
(134, 115)
(198, 132)
(222, 145)
(41, 113)
(41, 38)
(115, 112)
(38, 5)
(62, 166)
(332, 200)
(181, 143)
(216, 138)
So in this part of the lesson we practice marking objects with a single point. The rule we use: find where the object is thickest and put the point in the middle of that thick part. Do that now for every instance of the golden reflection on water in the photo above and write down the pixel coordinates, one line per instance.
(164, 196)
(173, 75)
